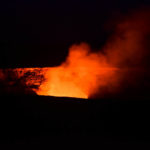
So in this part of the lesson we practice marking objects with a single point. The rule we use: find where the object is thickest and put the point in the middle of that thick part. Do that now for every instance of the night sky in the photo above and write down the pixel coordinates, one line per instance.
(39, 33)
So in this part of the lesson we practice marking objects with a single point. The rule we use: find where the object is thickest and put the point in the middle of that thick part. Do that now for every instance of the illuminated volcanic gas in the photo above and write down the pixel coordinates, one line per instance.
(79, 76)
(85, 73)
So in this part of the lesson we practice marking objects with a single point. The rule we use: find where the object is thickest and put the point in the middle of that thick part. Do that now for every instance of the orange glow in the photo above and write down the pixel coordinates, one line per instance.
(79, 76)
(85, 72)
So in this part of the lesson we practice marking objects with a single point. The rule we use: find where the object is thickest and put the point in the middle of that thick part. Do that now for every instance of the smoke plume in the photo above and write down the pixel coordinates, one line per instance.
(120, 68)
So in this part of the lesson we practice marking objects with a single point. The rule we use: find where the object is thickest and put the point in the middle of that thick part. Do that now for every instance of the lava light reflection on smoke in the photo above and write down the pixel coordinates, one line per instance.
(85, 72)
(79, 76)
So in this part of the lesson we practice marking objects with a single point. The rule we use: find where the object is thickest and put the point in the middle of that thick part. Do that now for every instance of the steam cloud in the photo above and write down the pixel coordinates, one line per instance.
(120, 68)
